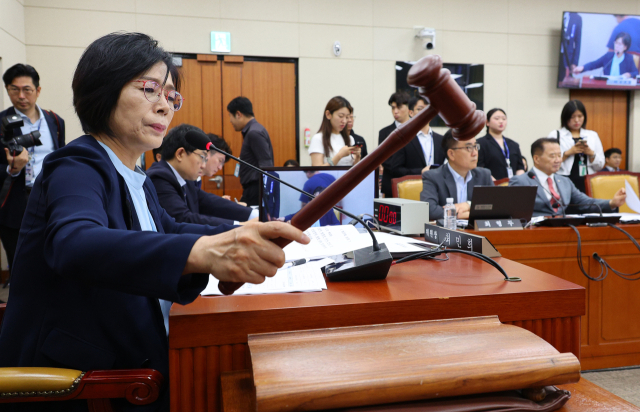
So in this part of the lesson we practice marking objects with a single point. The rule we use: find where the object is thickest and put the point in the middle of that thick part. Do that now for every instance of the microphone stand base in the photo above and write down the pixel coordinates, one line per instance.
(366, 264)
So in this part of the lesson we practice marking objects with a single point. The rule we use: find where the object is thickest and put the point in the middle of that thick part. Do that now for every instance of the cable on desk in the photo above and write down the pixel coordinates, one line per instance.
(439, 250)
(604, 265)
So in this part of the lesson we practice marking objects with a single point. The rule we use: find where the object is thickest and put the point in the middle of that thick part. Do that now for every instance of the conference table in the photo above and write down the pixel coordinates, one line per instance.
(209, 336)
(610, 331)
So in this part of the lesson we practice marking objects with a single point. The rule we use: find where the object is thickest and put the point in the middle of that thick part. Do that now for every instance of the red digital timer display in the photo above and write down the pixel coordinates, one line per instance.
(387, 215)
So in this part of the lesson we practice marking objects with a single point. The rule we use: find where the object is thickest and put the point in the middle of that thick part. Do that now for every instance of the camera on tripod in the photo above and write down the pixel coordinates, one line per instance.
(17, 143)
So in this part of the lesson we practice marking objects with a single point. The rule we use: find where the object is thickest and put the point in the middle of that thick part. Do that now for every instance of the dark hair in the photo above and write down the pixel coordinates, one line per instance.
(399, 98)
(242, 105)
(525, 163)
(491, 112)
(106, 66)
(21, 70)
(291, 162)
(609, 152)
(537, 147)
(626, 39)
(336, 103)
(414, 100)
(569, 109)
(448, 142)
(221, 144)
(155, 153)
(174, 140)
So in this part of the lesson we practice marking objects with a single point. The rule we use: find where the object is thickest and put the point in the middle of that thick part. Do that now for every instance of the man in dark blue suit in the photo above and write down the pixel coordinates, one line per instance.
(424, 151)
(570, 39)
(399, 103)
(174, 178)
(17, 174)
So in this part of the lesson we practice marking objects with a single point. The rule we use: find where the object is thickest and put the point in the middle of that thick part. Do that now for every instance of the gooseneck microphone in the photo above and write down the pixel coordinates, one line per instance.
(366, 266)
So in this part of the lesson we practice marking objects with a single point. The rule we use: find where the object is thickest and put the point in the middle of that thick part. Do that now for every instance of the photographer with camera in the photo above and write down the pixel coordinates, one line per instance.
(28, 134)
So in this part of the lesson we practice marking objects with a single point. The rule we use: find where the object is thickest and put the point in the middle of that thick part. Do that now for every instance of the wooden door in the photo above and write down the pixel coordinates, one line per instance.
(607, 114)
(209, 84)
(271, 87)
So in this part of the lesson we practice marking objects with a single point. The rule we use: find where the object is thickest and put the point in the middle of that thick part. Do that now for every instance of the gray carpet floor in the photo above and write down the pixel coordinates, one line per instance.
(622, 382)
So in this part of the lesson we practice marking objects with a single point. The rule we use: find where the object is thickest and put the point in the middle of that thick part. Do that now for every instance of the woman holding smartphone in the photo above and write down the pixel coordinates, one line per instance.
(332, 145)
(581, 149)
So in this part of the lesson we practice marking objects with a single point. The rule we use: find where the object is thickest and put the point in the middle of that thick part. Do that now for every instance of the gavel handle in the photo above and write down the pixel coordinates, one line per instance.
(341, 187)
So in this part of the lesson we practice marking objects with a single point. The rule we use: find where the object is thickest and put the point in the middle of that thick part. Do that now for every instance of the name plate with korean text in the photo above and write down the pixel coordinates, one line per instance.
(498, 224)
(454, 239)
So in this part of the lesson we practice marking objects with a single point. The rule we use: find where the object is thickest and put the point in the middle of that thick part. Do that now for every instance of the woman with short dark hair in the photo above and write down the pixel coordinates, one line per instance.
(614, 63)
(97, 254)
(582, 152)
(498, 153)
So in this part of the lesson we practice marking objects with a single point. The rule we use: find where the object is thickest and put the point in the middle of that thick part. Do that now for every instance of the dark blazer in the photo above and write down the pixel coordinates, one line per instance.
(627, 65)
(567, 191)
(360, 140)
(386, 174)
(491, 156)
(438, 184)
(201, 207)
(15, 203)
(410, 159)
(86, 279)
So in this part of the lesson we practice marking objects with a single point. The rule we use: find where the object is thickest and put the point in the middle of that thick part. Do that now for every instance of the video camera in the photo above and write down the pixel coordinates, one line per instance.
(17, 144)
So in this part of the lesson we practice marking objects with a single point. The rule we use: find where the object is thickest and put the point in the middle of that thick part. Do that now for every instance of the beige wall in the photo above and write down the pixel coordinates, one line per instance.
(12, 42)
(516, 40)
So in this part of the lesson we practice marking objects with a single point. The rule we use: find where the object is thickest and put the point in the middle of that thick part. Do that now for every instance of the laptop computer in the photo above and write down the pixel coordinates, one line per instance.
(502, 202)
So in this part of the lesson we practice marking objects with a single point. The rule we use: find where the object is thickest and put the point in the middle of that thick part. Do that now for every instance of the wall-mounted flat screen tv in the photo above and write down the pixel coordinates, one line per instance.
(599, 51)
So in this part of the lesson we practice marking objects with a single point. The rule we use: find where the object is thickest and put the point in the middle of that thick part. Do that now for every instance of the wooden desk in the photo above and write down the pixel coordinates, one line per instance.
(239, 396)
(209, 336)
(611, 327)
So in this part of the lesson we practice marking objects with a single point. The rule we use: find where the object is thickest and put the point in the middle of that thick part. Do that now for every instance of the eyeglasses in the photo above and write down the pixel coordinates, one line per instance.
(203, 157)
(351, 118)
(153, 90)
(13, 90)
(469, 148)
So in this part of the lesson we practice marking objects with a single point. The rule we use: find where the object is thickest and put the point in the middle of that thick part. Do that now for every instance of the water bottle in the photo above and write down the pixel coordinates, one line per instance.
(450, 215)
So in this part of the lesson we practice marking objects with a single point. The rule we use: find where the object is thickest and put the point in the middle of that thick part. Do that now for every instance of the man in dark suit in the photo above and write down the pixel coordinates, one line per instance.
(455, 179)
(570, 39)
(420, 153)
(18, 173)
(399, 102)
(612, 159)
(256, 148)
(174, 178)
(555, 191)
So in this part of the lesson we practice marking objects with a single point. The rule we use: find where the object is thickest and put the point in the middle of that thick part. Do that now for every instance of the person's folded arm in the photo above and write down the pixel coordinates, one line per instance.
(213, 205)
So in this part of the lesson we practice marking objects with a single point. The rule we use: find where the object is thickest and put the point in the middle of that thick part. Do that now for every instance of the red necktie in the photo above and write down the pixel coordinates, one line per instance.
(555, 197)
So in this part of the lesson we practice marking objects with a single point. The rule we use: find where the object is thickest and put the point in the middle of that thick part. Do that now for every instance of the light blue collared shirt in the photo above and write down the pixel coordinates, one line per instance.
(134, 180)
(37, 153)
(461, 184)
(615, 64)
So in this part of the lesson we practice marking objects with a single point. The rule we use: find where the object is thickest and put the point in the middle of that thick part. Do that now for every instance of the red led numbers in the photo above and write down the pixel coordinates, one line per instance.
(386, 216)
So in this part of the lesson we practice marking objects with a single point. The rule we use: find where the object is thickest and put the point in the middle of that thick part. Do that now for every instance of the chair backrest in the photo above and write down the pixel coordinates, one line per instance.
(407, 187)
(604, 185)
(501, 182)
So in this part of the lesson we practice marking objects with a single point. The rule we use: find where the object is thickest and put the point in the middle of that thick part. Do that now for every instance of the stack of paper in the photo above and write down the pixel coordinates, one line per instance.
(303, 278)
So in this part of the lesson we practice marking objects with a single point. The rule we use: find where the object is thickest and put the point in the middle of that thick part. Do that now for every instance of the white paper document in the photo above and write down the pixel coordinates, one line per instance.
(326, 241)
(302, 278)
(632, 199)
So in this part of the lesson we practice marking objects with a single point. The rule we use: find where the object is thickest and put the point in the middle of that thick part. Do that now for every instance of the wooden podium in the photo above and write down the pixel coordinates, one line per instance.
(209, 336)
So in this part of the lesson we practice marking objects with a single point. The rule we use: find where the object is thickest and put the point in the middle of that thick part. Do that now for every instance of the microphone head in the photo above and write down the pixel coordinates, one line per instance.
(198, 140)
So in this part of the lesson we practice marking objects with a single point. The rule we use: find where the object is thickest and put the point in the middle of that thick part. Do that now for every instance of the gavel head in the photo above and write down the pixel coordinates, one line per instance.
(443, 93)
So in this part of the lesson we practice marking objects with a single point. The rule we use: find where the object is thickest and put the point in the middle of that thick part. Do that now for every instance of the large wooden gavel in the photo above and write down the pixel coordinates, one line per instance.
(444, 96)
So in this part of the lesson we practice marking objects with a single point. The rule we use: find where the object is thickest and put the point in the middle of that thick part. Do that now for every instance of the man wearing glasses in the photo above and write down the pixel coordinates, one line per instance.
(174, 178)
(455, 179)
(18, 173)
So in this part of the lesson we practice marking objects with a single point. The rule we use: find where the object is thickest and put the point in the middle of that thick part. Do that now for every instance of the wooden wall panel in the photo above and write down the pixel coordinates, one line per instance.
(619, 297)
(271, 87)
(191, 89)
(212, 97)
(607, 114)
(231, 88)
